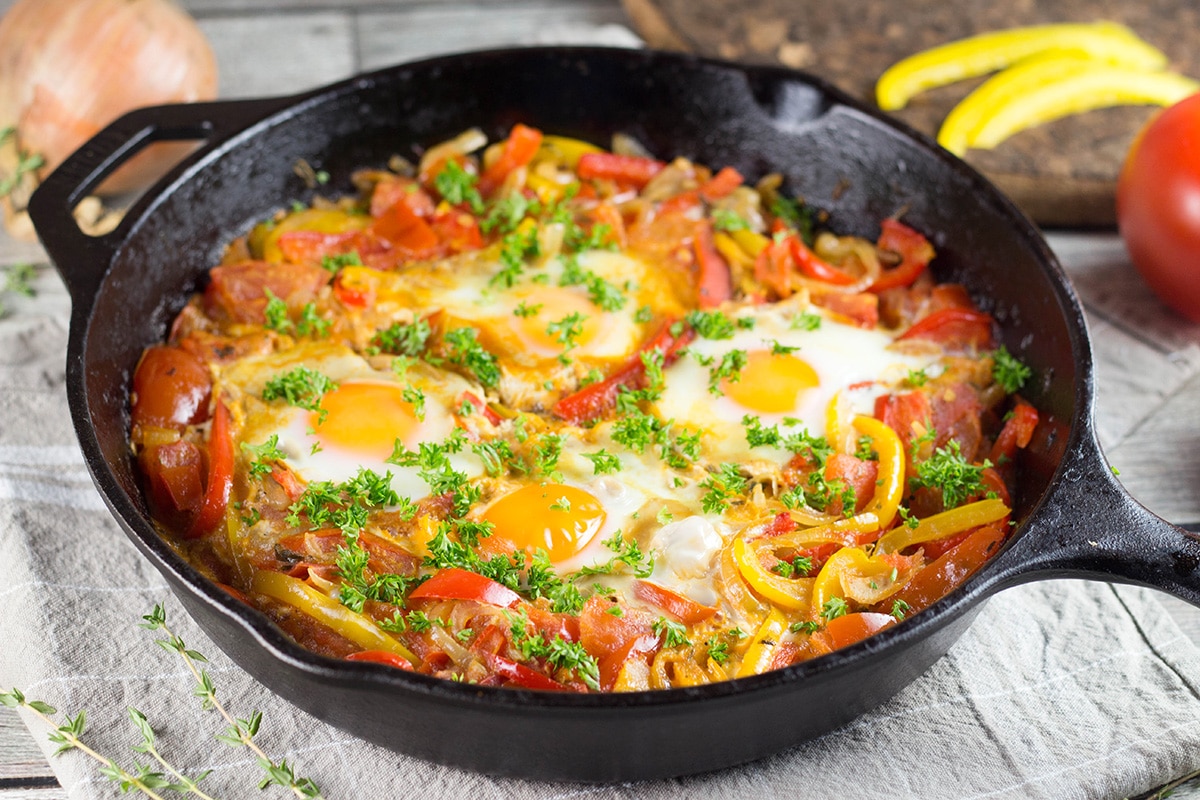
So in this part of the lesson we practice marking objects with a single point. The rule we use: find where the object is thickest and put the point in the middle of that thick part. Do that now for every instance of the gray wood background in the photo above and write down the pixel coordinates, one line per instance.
(1148, 361)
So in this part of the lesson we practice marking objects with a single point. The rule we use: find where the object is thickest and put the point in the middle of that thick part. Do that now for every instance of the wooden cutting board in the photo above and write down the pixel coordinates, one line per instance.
(1062, 174)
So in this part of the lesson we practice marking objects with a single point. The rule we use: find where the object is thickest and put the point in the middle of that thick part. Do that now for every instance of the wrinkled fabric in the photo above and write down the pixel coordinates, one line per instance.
(1059, 690)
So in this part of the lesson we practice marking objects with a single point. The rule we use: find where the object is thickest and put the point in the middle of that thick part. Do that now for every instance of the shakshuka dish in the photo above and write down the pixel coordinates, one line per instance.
(537, 414)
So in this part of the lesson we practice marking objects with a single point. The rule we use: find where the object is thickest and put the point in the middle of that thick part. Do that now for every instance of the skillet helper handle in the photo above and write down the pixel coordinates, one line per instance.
(1091, 527)
(80, 258)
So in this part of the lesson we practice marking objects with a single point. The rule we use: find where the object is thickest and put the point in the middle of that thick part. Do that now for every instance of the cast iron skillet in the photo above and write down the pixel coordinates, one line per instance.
(1075, 520)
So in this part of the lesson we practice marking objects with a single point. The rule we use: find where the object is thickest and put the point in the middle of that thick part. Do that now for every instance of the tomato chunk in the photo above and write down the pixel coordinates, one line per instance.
(713, 280)
(848, 629)
(518, 150)
(914, 250)
(382, 657)
(953, 327)
(238, 292)
(171, 389)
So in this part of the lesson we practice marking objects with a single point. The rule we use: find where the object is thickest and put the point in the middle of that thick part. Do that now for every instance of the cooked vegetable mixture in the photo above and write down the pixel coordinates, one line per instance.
(541, 415)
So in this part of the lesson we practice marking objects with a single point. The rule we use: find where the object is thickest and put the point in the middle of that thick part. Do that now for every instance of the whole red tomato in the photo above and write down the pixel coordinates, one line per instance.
(1158, 205)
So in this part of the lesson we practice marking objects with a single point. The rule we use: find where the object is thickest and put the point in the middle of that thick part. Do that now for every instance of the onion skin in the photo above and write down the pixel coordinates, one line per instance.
(70, 67)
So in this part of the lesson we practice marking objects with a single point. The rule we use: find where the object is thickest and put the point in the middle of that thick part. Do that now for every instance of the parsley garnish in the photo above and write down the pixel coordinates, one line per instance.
(558, 652)
(728, 369)
(403, 339)
(834, 607)
(806, 321)
(711, 324)
(335, 263)
(265, 453)
(1008, 371)
(301, 387)
(726, 219)
(947, 469)
(603, 462)
(467, 352)
(674, 634)
(720, 486)
(457, 186)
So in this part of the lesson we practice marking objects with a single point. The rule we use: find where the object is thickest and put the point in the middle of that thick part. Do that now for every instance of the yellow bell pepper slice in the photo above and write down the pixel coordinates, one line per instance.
(753, 243)
(329, 612)
(727, 246)
(762, 647)
(564, 150)
(310, 219)
(890, 487)
(987, 52)
(964, 119)
(844, 530)
(829, 580)
(787, 593)
(1075, 93)
(947, 523)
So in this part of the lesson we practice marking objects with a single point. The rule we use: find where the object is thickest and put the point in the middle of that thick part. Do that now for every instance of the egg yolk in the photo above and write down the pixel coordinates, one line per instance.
(559, 519)
(542, 319)
(365, 419)
(771, 383)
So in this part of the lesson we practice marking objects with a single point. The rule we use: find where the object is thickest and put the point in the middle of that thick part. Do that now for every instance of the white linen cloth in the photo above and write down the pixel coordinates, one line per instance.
(1059, 690)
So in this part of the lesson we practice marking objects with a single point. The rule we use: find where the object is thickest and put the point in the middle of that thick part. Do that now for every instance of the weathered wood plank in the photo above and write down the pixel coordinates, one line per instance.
(20, 757)
(291, 52)
(393, 37)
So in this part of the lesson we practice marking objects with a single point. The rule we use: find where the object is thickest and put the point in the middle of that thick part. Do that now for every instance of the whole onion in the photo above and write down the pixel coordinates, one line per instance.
(70, 67)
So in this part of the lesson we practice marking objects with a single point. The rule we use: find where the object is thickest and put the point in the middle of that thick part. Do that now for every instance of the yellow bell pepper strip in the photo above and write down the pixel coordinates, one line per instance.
(790, 593)
(846, 564)
(964, 120)
(1099, 87)
(728, 247)
(310, 219)
(847, 531)
(564, 150)
(762, 647)
(329, 612)
(947, 523)
(890, 486)
(987, 52)
(753, 243)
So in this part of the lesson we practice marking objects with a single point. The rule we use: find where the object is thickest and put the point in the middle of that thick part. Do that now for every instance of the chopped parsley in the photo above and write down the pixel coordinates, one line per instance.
(335, 263)
(947, 469)
(1008, 371)
(726, 219)
(603, 462)
(264, 453)
(558, 652)
(727, 482)
(457, 186)
(466, 351)
(834, 607)
(806, 321)
(674, 634)
(729, 368)
(301, 387)
(403, 339)
(711, 324)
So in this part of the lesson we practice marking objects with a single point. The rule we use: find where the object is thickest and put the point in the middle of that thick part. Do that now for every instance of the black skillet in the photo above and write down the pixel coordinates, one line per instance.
(1075, 520)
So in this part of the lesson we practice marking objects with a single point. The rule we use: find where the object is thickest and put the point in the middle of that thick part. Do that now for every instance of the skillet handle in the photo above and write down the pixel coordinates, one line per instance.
(1090, 527)
(82, 259)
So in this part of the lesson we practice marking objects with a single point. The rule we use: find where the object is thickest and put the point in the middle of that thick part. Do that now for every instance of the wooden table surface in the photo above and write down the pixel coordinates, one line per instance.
(1148, 362)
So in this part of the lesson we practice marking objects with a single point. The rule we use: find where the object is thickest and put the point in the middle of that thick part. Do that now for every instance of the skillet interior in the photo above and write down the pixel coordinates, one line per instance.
(839, 157)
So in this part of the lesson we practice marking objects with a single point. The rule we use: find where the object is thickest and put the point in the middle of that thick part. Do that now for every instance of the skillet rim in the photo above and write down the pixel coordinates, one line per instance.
(267, 636)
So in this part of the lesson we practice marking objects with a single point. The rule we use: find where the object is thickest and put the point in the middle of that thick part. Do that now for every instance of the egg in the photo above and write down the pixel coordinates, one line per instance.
(789, 378)
(570, 522)
(359, 422)
(685, 551)
(538, 317)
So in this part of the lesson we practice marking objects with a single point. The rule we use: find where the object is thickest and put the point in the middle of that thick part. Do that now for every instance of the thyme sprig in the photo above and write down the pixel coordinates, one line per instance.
(240, 732)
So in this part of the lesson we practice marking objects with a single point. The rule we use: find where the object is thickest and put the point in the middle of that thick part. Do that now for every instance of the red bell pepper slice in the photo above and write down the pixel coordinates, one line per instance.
(1016, 433)
(847, 629)
(634, 171)
(480, 406)
(522, 675)
(401, 226)
(381, 657)
(519, 149)
(945, 573)
(915, 254)
(220, 476)
(773, 267)
(453, 583)
(713, 281)
(597, 399)
(684, 609)
(953, 326)
(815, 267)
(721, 184)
